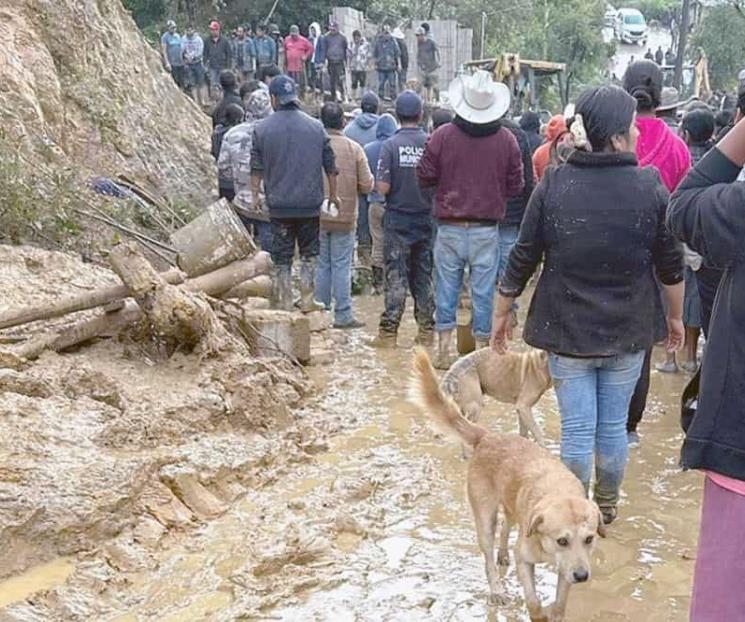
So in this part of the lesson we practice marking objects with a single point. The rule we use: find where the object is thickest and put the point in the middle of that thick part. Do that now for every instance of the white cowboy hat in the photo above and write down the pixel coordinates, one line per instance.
(478, 99)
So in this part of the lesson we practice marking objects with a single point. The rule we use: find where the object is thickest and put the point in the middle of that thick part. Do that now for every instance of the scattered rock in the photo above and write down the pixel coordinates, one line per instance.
(23, 384)
(322, 357)
(346, 523)
(83, 381)
(164, 506)
(194, 495)
(320, 320)
(148, 532)
(298, 552)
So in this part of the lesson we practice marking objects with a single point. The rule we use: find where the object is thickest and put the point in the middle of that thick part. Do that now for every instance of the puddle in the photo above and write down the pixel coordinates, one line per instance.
(39, 578)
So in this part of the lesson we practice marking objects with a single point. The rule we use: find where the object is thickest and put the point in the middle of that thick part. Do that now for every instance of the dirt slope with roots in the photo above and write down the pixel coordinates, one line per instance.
(82, 93)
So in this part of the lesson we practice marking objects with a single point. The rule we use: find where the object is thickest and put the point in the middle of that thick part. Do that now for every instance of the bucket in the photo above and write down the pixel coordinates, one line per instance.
(212, 240)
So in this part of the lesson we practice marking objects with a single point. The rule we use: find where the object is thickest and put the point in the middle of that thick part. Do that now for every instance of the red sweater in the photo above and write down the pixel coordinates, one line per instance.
(474, 175)
(297, 51)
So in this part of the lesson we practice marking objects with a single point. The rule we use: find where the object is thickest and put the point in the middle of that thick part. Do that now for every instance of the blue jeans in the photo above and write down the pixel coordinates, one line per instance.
(507, 238)
(390, 78)
(458, 247)
(334, 273)
(594, 396)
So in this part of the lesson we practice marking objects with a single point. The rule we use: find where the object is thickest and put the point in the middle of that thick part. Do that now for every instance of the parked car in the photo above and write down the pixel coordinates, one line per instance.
(631, 27)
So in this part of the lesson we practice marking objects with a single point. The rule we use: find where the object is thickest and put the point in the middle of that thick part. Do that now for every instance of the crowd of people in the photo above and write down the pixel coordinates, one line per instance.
(663, 59)
(470, 199)
(318, 62)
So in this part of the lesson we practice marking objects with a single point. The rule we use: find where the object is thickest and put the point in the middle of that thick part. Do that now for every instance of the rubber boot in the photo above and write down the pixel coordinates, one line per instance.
(377, 280)
(444, 358)
(481, 343)
(308, 303)
(282, 288)
(425, 337)
(384, 340)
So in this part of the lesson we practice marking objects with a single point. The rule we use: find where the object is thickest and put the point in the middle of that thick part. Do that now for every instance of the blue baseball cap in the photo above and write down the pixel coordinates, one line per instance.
(284, 89)
(408, 105)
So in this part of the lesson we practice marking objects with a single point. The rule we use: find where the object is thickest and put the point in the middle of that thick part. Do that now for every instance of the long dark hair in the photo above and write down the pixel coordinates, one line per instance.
(643, 81)
(606, 111)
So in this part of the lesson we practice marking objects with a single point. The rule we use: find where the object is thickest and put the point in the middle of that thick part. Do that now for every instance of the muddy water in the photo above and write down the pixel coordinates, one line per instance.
(42, 577)
(377, 529)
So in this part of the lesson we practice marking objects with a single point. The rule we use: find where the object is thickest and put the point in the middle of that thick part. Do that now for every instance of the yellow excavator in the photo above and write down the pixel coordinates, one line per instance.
(525, 78)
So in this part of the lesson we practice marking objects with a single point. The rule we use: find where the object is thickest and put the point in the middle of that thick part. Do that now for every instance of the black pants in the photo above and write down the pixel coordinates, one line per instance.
(639, 399)
(178, 75)
(226, 190)
(336, 78)
(708, 283)
(286, 232)
(359, 79)
(408, 268)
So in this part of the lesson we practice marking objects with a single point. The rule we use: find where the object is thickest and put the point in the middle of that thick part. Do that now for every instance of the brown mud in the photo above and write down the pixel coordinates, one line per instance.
(337, 504)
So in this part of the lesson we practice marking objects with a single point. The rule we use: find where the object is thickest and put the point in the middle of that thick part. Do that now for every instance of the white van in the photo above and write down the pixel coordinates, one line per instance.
(631, 27)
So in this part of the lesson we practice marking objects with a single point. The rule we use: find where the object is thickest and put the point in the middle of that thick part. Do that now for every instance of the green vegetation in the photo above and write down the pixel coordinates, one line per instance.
(35, 206)
(720, 34)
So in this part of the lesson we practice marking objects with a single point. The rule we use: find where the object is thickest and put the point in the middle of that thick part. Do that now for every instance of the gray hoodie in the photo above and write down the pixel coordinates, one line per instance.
(362, 129)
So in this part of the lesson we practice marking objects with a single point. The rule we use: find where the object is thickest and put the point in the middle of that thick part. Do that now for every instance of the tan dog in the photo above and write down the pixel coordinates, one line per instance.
(557, 523)
(512, 378)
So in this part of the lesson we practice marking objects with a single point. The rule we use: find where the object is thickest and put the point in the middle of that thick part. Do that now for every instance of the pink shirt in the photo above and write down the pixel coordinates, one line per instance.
(298, 50)
(733, 485)
(660, 147)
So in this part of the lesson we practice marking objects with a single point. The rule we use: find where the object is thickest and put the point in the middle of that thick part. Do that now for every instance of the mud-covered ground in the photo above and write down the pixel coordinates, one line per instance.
(354, 510)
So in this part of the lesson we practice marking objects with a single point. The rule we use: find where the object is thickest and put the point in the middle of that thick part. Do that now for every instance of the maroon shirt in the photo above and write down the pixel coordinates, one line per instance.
(474, 175)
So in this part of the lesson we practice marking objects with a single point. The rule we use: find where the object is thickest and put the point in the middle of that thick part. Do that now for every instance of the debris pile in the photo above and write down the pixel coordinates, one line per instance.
(141, 404)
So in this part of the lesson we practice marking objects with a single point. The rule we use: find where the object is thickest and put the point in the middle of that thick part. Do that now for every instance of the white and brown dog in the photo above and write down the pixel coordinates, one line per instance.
(512, 378)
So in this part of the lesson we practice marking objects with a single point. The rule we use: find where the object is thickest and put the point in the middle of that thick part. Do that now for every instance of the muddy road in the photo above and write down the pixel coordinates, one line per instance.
(371, 525)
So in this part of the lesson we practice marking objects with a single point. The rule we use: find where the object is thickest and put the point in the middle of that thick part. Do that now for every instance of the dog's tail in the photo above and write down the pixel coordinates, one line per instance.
(426, 393)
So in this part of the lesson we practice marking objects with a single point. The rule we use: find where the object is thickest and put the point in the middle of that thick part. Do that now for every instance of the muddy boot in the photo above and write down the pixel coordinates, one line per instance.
(481, 343)
(308, 303)
(384, 340)
(364, 254)
(282, 288)
(444, 358)
(377, 280)
(425, 337)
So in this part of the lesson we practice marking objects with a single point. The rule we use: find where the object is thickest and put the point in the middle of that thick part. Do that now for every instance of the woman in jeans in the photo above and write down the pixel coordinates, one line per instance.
(707, 212)
(598, 224)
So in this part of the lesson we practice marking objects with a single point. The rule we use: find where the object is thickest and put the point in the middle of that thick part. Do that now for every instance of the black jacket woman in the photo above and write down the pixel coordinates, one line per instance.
(707, 212)
(598, 224)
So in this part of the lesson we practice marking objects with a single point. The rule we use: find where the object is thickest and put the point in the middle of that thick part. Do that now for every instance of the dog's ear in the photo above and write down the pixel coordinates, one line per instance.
(536, 519)
(601, 523)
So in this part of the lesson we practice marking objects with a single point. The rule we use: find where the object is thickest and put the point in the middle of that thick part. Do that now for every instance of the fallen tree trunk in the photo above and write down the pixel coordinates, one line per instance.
(89, 300)
(212, 284)
(223, 279)
(125, 314)
(106, 323)
(178, 318)
(260, 286)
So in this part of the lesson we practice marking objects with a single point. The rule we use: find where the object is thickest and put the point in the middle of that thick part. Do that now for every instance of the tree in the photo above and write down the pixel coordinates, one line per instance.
(568, 31)
(720, 34)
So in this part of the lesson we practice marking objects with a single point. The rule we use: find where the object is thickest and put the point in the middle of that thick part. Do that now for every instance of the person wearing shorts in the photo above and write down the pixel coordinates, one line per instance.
(428, 61)
(358, 54)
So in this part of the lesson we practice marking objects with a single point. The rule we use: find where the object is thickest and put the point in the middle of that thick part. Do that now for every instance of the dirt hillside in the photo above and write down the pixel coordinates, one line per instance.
(82, 93)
